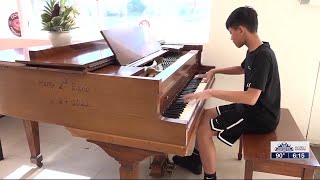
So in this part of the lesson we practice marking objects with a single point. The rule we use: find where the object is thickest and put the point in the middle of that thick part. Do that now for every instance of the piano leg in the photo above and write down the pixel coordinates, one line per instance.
(1, 154)
(128, 157)
(161, 165)
(32, 132)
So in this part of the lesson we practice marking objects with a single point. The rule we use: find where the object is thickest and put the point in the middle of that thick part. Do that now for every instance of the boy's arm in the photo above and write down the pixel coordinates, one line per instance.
(234, 70)
(249, 97)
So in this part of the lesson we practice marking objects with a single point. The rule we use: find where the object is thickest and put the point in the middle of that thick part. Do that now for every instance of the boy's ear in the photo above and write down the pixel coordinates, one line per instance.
(241, 29)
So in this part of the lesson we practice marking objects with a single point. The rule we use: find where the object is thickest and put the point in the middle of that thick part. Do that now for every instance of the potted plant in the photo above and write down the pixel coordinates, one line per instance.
(59, 19)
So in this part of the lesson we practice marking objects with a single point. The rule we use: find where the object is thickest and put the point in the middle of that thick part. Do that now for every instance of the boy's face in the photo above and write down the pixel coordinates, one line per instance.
(237, 36)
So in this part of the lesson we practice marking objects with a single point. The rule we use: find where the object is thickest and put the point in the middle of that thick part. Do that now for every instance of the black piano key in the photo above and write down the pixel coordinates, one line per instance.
(178, 104)
(177, 107)
(176, 110)
(180, 101)
(173, 115)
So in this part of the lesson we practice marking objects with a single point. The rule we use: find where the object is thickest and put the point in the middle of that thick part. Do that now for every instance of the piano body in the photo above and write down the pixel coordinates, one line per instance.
(130, 111)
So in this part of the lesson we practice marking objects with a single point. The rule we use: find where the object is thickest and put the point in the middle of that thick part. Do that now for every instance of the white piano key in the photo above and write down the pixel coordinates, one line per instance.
(189, 109)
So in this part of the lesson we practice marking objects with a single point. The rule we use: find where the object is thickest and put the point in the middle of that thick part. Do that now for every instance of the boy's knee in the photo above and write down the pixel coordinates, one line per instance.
(210, 113)
(205, 131)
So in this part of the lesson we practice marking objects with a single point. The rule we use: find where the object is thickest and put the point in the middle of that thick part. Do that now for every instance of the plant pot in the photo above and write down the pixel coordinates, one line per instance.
(60, 38)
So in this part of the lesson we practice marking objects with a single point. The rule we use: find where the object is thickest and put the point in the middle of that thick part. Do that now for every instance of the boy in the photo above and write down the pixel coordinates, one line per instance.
(255, 110)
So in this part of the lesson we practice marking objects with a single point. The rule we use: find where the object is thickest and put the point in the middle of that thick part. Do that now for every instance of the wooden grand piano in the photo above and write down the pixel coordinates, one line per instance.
(130, 111)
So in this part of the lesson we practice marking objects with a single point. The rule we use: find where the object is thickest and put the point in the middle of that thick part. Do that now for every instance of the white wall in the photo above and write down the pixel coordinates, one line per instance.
(314, 133)
(293, 32)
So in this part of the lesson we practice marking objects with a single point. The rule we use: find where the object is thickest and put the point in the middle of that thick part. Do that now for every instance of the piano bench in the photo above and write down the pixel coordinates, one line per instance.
(256, 151)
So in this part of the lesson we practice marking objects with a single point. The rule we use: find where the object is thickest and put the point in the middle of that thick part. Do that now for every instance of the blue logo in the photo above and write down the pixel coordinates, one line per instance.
(284, 147)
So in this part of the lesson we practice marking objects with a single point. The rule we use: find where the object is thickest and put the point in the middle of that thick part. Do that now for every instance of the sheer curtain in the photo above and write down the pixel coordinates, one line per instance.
(175, 21)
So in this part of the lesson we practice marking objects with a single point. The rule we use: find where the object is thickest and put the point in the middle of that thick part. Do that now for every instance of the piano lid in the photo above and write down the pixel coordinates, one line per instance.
(130, 44)
(83, 56)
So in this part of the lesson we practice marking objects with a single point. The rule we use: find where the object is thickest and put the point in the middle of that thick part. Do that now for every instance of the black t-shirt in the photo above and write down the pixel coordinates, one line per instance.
(261, 72)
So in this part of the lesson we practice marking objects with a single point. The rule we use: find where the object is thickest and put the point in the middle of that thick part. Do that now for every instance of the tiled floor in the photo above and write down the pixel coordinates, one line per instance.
(67, 157)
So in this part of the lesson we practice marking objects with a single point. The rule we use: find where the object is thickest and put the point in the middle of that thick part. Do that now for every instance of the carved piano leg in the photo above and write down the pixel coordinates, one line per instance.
(1, 154)
(32, 132)
(161, 165)
(128, 157)
(129, 170)
(157, 169)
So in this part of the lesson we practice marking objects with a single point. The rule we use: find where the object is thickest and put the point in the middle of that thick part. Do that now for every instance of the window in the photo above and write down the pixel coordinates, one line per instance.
(170, 20)
(184, 21)
(87, 21)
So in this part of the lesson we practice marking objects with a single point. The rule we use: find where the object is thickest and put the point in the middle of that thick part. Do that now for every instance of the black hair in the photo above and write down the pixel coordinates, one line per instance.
(243, 16)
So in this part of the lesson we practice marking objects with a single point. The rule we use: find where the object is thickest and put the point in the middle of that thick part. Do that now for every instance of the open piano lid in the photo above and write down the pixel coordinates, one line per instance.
(131, 43)
(85, 56)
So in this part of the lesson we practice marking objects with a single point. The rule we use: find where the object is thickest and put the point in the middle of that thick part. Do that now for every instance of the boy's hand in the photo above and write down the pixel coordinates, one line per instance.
(196, 97)
(206, 76)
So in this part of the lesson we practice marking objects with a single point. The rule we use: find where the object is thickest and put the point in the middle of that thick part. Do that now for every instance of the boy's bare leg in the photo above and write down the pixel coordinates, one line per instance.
(208, 114)
(193, 162)
(204, 143)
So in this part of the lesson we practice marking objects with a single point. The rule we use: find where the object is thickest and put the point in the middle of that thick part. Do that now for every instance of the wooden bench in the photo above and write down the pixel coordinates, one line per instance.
(256, 151)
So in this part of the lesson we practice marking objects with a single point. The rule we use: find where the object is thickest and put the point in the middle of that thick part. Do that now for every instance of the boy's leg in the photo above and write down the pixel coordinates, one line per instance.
(193, 162)
(205, 144)
(208, 114)
(225, 121)
(228, 124)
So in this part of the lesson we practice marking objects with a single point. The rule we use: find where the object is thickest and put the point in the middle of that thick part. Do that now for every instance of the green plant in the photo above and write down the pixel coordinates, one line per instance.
(58, 17)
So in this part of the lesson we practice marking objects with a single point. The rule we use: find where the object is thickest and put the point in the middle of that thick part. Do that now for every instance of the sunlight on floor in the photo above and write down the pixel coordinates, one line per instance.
(25, 171)
(20, 172)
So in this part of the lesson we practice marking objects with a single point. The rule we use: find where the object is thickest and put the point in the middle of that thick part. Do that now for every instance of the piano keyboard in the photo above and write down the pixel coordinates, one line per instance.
(181, 110)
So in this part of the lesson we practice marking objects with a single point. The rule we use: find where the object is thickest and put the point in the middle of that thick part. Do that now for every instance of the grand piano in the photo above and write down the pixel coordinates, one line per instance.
(123, 94)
